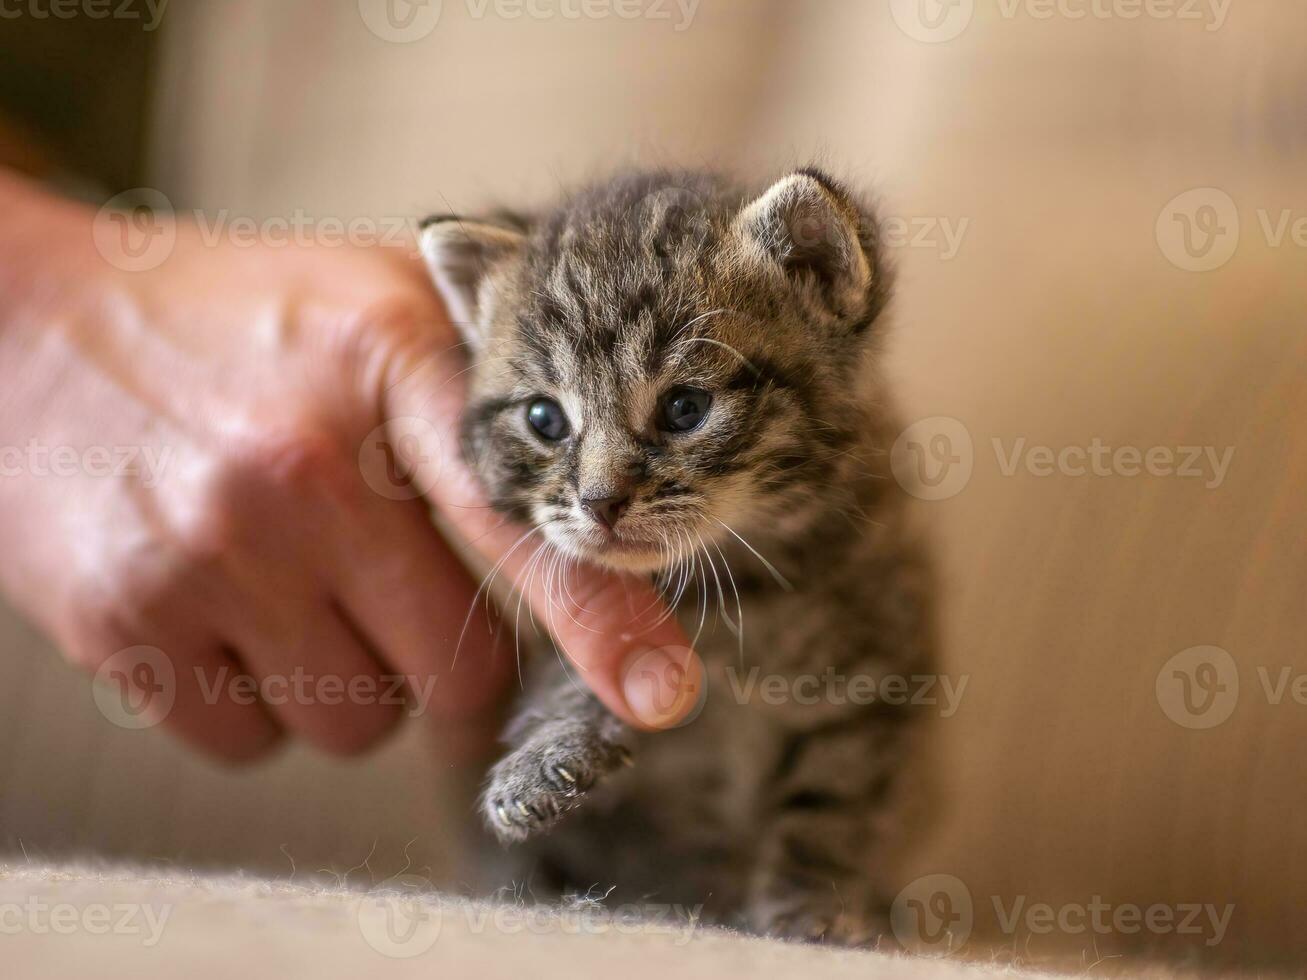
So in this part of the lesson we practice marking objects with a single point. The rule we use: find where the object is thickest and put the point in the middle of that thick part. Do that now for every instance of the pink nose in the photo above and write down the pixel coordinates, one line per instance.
(606, 510)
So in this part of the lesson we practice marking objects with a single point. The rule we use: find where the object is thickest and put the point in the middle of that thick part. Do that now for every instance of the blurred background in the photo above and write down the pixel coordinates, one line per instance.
(1097, 208)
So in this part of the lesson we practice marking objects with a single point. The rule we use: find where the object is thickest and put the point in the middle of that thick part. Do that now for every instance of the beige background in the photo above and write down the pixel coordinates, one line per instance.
(1060, 320)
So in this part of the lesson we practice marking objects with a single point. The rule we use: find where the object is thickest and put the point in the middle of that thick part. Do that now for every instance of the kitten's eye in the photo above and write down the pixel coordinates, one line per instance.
(684, 409)
(546, 416)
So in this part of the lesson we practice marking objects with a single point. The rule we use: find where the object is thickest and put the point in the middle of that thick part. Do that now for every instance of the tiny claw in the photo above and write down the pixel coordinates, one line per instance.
(503, 815)
(565, 774)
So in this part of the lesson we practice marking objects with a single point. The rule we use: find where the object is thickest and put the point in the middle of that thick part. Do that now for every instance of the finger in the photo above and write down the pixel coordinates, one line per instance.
(163, 677)
(416, 602)
(629, 650)
(311, 671)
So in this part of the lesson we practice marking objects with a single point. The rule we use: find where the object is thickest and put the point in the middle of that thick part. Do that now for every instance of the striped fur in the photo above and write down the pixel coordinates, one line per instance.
(773, 303)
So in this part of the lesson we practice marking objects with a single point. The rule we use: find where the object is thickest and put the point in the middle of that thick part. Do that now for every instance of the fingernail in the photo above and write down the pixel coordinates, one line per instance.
(664, 686)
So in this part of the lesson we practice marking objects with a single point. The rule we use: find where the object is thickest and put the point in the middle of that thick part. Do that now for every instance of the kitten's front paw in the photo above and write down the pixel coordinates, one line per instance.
(818, 918)
(531, 788)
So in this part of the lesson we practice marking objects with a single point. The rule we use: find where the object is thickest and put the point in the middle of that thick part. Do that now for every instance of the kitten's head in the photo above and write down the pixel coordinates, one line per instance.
(662, 360)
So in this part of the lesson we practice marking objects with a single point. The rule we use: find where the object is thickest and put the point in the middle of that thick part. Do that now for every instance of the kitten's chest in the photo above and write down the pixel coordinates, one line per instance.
(718, 767)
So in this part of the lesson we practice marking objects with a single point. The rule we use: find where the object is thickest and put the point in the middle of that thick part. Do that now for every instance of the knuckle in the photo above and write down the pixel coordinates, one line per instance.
(298, 458)
(207, 530)
(259, 474)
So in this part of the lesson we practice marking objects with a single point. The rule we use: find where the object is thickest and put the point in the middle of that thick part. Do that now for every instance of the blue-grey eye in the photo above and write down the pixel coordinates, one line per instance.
(546, 416)
(684, 409)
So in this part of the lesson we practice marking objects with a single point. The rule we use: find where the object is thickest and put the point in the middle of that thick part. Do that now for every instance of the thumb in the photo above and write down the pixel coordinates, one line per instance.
(616, 630)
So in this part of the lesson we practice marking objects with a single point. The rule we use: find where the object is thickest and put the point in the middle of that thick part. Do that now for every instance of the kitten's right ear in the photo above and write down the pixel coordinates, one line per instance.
(807, 226)
(459, 255)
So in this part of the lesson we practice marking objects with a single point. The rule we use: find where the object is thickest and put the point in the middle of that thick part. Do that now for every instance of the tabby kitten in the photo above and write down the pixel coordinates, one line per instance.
(671, 376)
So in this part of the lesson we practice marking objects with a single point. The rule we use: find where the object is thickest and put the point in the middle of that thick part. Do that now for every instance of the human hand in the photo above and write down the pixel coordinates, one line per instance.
(264, 530)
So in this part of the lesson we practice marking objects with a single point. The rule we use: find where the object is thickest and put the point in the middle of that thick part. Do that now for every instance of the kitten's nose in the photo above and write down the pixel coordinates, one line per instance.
(606, 510)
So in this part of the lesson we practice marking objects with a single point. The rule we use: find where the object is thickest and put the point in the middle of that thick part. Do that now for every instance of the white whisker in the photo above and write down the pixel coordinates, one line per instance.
(780, 579)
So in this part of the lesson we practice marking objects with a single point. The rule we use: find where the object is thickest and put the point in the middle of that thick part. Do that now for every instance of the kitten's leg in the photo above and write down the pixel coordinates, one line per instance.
(819, 863)
(564, 741)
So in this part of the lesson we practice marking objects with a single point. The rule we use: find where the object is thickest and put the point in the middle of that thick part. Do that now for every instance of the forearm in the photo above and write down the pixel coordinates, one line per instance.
(46, 267)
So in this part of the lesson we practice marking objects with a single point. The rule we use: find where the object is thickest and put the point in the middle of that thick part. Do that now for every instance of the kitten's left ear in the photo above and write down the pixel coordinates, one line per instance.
(459, 254)
(809, 227)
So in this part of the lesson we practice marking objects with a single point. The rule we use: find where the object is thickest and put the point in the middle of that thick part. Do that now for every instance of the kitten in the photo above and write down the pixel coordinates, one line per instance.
(669, 375)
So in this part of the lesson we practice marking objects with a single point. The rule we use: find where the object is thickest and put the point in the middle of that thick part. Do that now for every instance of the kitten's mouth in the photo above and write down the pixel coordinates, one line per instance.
(616, 550)
(625, 546)
(610, 543)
